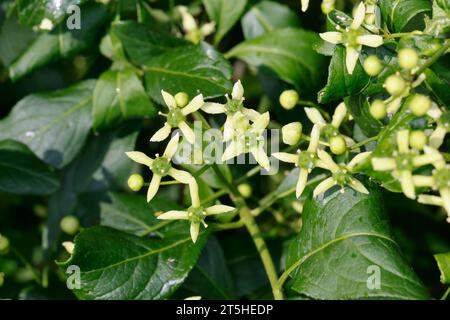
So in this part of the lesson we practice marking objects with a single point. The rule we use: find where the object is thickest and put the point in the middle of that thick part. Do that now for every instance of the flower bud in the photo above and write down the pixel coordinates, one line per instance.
(338, 145)
(182, 99)
(288, 99)
(70, 225)
(408, 58)
(395, 85)
(4, 244)
(245, 190)
(370, 18)
(292, 133)
(69, 246)
(419, 105)
(372, 66)
(378, 109)
(418, 139)
(2, 279)
(135, 182)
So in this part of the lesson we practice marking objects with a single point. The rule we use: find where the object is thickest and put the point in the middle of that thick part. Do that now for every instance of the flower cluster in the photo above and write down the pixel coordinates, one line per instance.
(192, 31)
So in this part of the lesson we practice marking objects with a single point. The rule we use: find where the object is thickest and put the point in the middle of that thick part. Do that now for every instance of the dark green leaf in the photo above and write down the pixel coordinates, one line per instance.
(438, 86)
(118, 265)
(53, 125)
(443, 261)
(404, 15)
(22, 172)
(118, 96)
(344, 239)
(266, 17)
(289, 53)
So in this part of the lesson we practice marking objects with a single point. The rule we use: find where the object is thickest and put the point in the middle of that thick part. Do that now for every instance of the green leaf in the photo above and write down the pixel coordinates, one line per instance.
(266, 17)
(53, 125)
(118, 96)
(191, 69)
(289, 53)
(22, 172)
(404, 15)
(210, 277)
(344, 238)
(60, 42)
(438, 86)
(358, 106)
(118, 265)
(443, 261)
(225, 14)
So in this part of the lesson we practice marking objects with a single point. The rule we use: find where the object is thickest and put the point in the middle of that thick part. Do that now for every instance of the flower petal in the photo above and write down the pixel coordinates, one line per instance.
(301, 182)
(262, 121)
(403, 141)
(429, 158)
(430, 199)
(331, 37)
(261, 157)
(370, 40)
(314, 139)
(437, 136)
(383, 164)
(359, 15)
(228, 128)
(218, 208)
(139, 157)
(339, 115)
(238, 91)
(286, 157)
(193, 191)
(169, 100)
(188, 20)
(195, 104)
(360, 157)
(251, 114)
(213, 108)
(180, 175)
(423, 181)
(324, 186)
(174, 215)
(208, 28)
(314, 115)
(188, 133)
(445, 196)
(153, 187)
(328, 161)
(194, 229)
(358, 186)
(305, 4)
(407, 184)
(171, 147)
(351, 57)
(233, 150)
(162, 133)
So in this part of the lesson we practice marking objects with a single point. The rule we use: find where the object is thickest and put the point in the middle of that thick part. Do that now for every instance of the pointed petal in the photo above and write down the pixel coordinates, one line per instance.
(169, 99)
(228, 129)
(188, 20)
(139, 157)
(188, 133)
(305, 4)
(324, 186)
(261, 157)
(383, 164)
(171, 147)
(208, 28)
(301, 182)
(359, 15)
(174, 215)
(286, 157)
(213, 108)
(359, 158)
(251, 114)
(233, 150)
(262, 121)
(437, 137)
(424, 159)
(154, 186)
(218, 208)
(403, 141)
(180, 175)
(358, 186)
(193, 191)
(331, 37)
(315, 136)
(314, 115)
(328, 161)
(407, 184)
(370, 40)
(431, 200)
(423, 181)
(194, 105)
(162, 133)
(339, 115)
(238, 91)
(445, 195)
(351, 58)
(194, 229)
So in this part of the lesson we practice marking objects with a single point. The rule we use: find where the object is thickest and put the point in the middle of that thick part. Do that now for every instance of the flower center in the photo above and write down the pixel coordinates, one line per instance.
(306, 160)
(442, 178)
(175, 116)
(197, 214)
(350, 37)
(404, 162)
(250, 140)
(161, 166)
(342, 177)
(328, 131)
(232, 106)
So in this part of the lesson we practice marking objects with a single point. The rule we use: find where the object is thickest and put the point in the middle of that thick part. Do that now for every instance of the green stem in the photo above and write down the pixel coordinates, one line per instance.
(27, 265)
(401, 34)
(446, 293)
(363, 142)
(433, 59)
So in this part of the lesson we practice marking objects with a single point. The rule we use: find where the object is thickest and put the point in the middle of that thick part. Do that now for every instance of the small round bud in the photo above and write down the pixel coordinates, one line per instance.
(288, 99)
(40, 210)
(70, 225)
(408, 58)
(338, 145)
(378, 109)
(4, 244)
(372, 66)
(135, 182)
(292, 133)
(245, 190)
(182, 99)
(2, 278)
(418, 139)
(419, 105)
(395, 85)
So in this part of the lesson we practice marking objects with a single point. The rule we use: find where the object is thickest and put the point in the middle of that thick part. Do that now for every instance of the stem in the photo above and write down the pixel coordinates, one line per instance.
(363, 142)
(446, 293)
(27, 265)
(401, 34)
(433, 59)
(255, 233)
(229, 225)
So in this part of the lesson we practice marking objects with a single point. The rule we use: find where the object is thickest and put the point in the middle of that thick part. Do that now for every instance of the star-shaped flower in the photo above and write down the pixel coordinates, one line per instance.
(403, 162)
(230, 108)
(176, 118)
(305, 160)
(342, 174)
(442, 120)
(247, 138)
(353, 38)
(191, 29)
(161, 166)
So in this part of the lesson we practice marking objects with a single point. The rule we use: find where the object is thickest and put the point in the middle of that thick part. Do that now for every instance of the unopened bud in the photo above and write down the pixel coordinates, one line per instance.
(292, 133)
(395, 85)
(419, 105)
(182, 99)
(408, 58)
(372, 66)
(4, 244)
(418, 139)
(2, 278)
(70, 225)
(69, 246)
(338, 145)
(378, 109)
(289, 99)
(245, 190)
(135, 182)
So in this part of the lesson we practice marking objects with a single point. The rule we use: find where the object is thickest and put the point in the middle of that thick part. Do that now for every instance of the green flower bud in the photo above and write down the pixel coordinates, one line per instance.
(338, 145)
(292, 133)
(419, 105)
(2, 278)
(408, 58)
(4, 244)
(372, 66)
(395, 85)
(70, 225)
(378, 109)
(245, 190)
(40, 210)
(135, 182)
(418, 139)
(288, 99)
(182, 99)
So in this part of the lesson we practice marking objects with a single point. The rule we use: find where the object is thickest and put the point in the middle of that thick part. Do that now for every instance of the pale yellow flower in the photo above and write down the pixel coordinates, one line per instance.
(193, 32)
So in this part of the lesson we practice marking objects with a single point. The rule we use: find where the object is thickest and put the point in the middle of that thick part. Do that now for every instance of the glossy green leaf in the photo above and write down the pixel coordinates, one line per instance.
(404, 15)
(60, 42)
(438, 86)
(443, 262)
(225, 14)
(118, 96)
(53, 125)
(266, 17)
(22, 172)
(345, 250)
(288, 52)
(118, 265)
